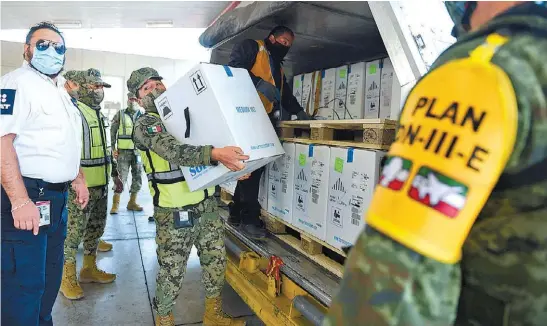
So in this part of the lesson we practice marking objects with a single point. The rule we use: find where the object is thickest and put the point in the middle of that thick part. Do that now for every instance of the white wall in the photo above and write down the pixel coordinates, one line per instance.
(113, 66)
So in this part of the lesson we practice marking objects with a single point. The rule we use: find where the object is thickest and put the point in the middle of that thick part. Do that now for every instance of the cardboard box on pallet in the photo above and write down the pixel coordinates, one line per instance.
(311, 178)
(297, 88)
(281, 184)
(341, 92)
(353, 175)
(307, 87)
(390, 92)
(218, 105)
(328, 92)
(355, 99)
(372, 86)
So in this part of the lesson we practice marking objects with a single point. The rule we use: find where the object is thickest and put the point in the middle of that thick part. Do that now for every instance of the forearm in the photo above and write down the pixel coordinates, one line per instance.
(113, 136)
(12, 180)
(80, 178)
(193, 155)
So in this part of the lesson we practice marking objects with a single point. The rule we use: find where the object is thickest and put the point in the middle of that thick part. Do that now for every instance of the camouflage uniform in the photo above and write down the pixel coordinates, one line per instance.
(502, 277)
(174, 245)
(127, 158)
(90, 222)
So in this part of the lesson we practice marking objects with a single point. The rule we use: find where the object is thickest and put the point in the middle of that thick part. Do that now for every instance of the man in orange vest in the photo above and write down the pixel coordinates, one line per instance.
(263, 59)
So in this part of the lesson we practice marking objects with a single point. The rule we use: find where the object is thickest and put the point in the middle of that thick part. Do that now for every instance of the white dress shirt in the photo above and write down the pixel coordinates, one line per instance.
(47, 125)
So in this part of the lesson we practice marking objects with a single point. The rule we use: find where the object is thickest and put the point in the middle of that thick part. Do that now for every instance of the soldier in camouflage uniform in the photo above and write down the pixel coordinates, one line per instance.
(125, 153)
(501, 279)
(183, 218)
(88, 224)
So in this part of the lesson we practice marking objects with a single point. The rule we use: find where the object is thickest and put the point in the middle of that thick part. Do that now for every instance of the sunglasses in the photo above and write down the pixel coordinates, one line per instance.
(42, 45)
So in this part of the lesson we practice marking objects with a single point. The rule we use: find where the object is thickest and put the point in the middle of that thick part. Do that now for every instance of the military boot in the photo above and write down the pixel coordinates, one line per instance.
(70, 287)
(132, 205)
(91, 274)
(168, 320)
(214, 315)
(115, 204)
(104, 246)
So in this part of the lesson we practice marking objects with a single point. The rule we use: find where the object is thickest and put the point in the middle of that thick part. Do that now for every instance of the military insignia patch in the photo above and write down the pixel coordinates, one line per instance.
(154, 129)
(395, 173)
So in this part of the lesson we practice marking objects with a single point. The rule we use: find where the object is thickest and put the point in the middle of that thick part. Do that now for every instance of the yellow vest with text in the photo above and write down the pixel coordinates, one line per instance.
(125, 131)
(95, 157)
(167, 184)
(263, 69)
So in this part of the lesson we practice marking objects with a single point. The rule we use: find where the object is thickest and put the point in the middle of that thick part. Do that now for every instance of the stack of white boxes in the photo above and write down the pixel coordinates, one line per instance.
(297, 88)
(311, 174)
(307, 87)
(341, 86)
(355, 99)
(281, 184)
(263, 189)
(353, 175)
(328, 92)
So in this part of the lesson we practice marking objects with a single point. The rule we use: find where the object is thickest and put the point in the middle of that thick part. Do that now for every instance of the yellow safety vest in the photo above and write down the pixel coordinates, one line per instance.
(95, 157)
(263, 68)
(167, 184)
(125, 131)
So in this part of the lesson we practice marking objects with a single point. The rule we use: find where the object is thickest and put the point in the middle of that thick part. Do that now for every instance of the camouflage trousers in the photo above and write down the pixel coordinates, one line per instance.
(127, 159)
(385, 283)
(173, 250)
(87, 224)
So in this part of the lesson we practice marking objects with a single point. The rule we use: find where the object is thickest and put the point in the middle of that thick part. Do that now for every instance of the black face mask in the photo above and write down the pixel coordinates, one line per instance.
(278, 51)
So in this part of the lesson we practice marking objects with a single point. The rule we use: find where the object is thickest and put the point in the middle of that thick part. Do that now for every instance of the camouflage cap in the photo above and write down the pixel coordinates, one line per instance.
(139, 77)
(93, 76)
(76, 76)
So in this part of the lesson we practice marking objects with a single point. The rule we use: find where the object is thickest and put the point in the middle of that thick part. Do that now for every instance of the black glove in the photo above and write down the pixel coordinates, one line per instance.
(269, 91)
(302, 115)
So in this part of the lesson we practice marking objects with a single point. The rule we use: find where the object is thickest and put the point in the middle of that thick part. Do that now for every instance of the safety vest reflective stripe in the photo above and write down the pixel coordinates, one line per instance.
(86, 139)
(166, 176)
(94, 162)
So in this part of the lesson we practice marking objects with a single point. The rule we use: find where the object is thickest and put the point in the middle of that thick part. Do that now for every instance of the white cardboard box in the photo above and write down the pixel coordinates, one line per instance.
(390, 92)
(263, 189)
(328, 92)
(307, 87)
(223, 109)
(281, 184)
(341, 92)
(353, 175)
(297, 88)
(311, 174)
(372, 86)
(355, 99)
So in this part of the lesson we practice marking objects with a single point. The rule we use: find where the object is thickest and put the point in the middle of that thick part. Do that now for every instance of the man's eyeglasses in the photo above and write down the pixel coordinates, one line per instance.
(42, 45)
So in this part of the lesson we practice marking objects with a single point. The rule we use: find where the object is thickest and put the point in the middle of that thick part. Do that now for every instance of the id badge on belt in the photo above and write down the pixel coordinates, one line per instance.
(45, 212)
(183, 219)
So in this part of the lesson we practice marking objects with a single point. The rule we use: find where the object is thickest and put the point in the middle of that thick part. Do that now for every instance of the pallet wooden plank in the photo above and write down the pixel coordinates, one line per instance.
(337, 143)
(335, 124)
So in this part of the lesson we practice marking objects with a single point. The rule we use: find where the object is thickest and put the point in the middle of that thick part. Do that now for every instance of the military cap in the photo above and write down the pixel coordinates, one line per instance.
(139, 77)
(93, 76)
(76, 76)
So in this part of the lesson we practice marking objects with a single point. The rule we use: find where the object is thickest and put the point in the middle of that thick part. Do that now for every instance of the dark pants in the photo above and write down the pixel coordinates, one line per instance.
(32, 265)
(246, 199)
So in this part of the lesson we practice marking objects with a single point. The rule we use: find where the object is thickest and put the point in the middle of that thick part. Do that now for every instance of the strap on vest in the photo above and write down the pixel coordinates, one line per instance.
(156, 198)
(206, 193)
(187, 119)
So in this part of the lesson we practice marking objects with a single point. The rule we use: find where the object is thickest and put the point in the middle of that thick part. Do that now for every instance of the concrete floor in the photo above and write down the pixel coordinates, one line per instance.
(127, 301)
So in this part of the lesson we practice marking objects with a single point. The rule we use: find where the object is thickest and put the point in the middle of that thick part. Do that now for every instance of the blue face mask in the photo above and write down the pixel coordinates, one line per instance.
(460, 12)
(48, 61)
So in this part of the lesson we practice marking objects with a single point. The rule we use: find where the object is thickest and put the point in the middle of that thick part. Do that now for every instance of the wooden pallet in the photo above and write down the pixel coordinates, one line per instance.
(226, 196)
(319, 251)
(363, 133)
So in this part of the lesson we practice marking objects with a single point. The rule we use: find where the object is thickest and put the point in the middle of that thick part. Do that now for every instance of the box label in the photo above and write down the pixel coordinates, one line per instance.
(165, 109)
(372, 69)
(343, 73)
(302, 159)
(338, 165)
(198, 82)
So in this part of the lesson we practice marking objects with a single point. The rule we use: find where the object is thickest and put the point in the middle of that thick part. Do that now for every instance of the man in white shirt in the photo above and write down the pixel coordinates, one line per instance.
(40, 130)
